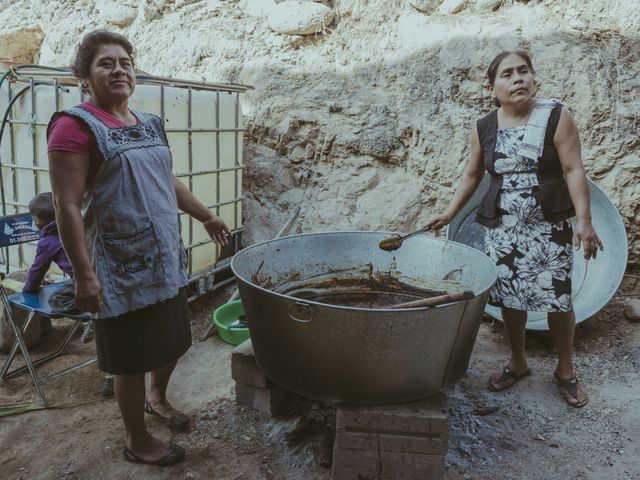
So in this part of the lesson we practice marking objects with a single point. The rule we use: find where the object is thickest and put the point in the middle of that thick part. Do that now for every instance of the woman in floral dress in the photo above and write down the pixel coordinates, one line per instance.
(531, 149)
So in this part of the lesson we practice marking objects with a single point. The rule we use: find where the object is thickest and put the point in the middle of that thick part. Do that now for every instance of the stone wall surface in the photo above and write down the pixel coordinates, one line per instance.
(365, 123)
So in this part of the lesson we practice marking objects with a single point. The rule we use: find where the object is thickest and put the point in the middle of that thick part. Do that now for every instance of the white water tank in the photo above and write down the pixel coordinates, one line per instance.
(204, 127)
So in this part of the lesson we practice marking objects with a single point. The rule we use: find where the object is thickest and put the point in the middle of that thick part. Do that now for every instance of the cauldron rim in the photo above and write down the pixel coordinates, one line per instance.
(343, 307)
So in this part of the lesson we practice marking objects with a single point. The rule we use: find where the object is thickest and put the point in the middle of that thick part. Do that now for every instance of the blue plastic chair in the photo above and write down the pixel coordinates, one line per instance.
(14, 230)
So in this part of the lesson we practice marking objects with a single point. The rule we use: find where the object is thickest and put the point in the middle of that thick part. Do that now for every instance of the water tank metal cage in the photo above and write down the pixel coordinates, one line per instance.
(203, 122)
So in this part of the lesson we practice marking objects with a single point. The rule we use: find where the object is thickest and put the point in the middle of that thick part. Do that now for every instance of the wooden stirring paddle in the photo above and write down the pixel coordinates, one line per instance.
(395, 242)
(435, 301)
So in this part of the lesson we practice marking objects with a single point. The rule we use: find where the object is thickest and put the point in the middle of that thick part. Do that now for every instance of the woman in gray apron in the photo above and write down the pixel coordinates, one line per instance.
(126, 252)
(531, 150)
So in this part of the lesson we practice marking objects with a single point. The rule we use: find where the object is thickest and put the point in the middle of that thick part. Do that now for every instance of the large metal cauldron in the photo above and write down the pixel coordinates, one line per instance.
(361, 356)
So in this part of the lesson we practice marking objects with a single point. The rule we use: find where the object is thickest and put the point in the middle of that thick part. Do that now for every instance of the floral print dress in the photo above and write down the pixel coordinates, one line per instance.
(534, 257)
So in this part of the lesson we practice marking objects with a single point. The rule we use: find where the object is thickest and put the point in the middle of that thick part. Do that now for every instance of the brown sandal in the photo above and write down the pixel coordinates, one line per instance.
(176, 422)
(569, 388)
(175, 454)
(509, 377)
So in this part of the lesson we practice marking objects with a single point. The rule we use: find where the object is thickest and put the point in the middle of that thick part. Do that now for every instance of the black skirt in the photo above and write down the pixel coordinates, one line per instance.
(145, 339)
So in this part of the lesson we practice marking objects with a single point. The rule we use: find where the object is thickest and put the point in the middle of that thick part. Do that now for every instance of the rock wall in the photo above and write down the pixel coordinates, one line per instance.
(362, 111)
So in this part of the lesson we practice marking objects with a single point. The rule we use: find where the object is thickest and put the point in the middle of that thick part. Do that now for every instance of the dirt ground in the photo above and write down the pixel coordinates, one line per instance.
(532, 435)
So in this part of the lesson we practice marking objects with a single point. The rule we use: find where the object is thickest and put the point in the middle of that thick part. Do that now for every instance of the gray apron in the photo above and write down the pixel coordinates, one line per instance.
(131, 220)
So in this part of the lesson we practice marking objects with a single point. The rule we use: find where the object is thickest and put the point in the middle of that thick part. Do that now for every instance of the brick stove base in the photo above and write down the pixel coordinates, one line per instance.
(394, 442)
(391, 442)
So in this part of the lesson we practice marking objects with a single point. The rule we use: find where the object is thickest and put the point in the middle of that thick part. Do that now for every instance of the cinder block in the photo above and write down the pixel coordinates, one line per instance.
(265, 400)
(349, 464)
(405, 441)
(244, 368)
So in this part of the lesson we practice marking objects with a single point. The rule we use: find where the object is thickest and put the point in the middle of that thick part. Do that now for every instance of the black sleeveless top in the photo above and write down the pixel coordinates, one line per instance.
(554, 194)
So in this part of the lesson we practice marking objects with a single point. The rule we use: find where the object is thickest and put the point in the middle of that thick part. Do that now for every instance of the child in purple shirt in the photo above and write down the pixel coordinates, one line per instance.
(49, 248)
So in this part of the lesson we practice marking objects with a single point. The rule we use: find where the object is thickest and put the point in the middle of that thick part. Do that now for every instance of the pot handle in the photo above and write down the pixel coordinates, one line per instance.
(303, 307)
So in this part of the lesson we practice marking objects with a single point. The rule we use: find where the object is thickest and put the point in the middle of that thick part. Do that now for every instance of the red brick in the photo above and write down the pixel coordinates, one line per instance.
(394, 442)
(405, 441)
(349, 464)
(420, 427)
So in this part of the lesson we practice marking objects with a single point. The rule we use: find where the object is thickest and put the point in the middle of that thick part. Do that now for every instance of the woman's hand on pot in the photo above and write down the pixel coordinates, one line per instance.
(584, 235)
(89, 293)
(438, 221)
(217, 230)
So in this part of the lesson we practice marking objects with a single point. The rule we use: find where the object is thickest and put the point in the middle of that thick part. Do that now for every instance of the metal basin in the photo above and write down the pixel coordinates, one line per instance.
(361, 356)
(593, 282)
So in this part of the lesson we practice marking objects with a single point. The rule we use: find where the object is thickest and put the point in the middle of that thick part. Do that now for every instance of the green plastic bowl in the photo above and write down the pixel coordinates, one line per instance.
(224, 316)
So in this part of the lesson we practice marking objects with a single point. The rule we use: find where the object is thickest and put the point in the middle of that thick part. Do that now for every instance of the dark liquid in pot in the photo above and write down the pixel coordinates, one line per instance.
(372, 292)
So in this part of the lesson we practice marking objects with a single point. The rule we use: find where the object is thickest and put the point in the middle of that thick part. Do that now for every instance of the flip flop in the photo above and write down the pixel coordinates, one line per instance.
(174, 455)
(508, 376)
(178, 422)
(570, 386)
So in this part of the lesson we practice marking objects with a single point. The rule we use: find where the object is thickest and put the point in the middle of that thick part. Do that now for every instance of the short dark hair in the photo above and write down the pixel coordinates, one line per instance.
(41, 207)
(492, 71)
(90, 44)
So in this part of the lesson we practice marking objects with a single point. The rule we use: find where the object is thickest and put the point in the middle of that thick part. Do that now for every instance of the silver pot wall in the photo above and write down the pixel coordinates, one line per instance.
(354, 355)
